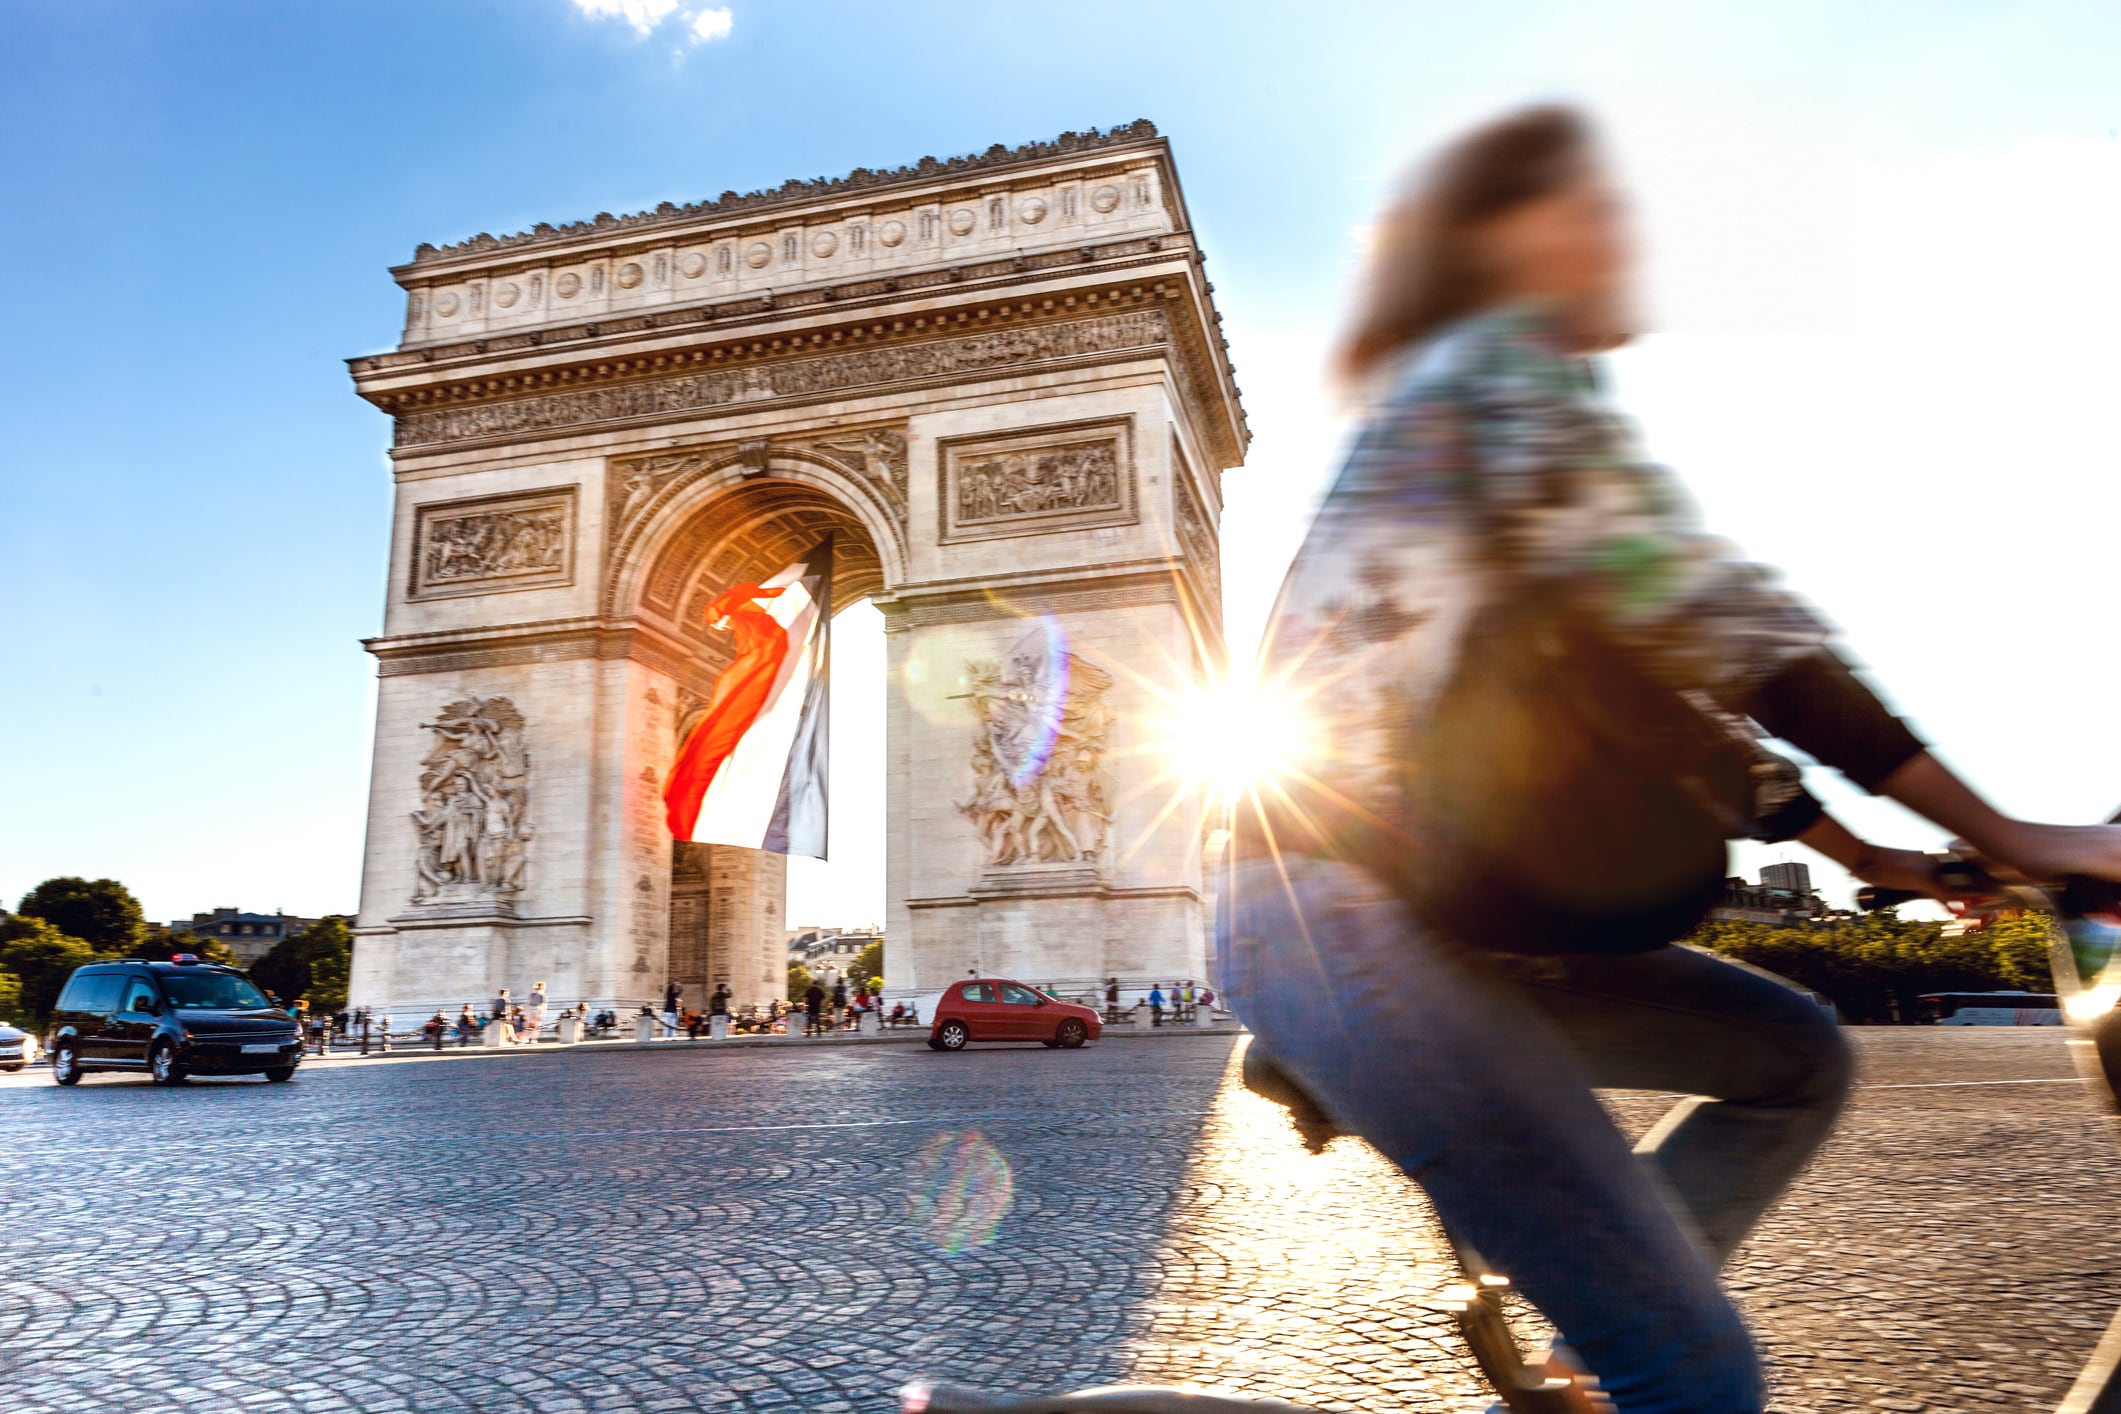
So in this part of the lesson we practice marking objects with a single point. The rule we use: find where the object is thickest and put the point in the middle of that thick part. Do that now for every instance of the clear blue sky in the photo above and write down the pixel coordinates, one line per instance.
(1882, 239)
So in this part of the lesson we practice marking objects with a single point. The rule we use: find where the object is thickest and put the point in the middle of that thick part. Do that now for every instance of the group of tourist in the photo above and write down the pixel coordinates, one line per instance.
(823, 1010)
(522, 1021)
(1183, 1001)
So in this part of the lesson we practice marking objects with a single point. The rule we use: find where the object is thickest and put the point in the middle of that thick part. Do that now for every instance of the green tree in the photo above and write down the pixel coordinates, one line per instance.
(799, 980)
(868, 965)
(100, 912)
(1875, 969)
(11, 1009)
(41, 958)
(316, 964)
(167, 945)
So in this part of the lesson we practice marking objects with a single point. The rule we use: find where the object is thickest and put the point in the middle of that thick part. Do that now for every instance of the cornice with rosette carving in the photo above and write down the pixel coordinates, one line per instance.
(797, 191)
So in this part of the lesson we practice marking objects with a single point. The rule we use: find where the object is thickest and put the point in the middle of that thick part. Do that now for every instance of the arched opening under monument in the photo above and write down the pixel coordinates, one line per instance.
(729, 908)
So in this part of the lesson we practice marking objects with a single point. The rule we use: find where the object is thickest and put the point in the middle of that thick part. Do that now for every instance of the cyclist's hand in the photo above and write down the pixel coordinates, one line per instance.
(1908, 869)
(2051, 851)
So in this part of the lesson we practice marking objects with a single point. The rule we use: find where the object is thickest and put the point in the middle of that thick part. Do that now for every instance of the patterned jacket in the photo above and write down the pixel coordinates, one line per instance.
(1490, 453)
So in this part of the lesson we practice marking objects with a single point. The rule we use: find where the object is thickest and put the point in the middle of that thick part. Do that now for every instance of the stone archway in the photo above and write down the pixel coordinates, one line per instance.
(706, 520)
(999, 381)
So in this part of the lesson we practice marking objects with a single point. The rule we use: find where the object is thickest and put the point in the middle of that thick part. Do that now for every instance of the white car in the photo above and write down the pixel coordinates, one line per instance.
(17, 1047)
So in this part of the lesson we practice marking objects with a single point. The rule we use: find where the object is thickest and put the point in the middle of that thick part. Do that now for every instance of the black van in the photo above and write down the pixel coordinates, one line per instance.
(170, 1019)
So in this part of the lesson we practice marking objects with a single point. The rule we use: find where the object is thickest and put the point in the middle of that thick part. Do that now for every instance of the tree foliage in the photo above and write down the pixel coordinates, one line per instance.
(41, 958)
(315, 964)
(165, 946)
(799, 980)
(868, 965)
(11, 1009)
(100, 912)
(1873, 969)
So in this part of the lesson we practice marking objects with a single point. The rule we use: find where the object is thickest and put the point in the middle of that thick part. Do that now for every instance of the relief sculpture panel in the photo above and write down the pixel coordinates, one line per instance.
(1038, 796)
(1050, 478)
(473, 821)
(493, 543)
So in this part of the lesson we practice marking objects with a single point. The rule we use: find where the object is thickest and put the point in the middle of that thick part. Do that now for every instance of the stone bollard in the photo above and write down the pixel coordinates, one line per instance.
(1204, 1017)
(1143, 1018)
(717, 1028)
(383, 1034)
(570, 1029)
(871, 1023)
(495, 1034)
(645, 1028)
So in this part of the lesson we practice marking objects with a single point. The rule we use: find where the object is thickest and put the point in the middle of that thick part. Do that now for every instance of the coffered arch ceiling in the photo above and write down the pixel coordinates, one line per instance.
(749, 533)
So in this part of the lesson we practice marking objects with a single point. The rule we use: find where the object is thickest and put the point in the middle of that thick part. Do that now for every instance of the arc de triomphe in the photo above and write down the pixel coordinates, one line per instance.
(998, 380)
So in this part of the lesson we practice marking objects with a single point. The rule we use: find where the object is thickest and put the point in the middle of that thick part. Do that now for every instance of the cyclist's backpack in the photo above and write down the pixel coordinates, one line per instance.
(1563, 800)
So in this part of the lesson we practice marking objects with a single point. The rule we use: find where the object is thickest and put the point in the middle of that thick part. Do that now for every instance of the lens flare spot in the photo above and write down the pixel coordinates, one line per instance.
(959, 1188)
(1236, 734)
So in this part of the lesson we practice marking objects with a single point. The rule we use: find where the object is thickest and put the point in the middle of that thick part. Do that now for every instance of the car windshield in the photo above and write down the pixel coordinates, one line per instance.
(212, 991)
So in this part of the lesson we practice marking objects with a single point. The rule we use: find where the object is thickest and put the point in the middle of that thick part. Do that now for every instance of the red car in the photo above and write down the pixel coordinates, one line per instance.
(996, 1009)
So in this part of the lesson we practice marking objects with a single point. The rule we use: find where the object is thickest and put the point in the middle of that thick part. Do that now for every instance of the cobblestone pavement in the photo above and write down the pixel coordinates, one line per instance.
(767, 1229)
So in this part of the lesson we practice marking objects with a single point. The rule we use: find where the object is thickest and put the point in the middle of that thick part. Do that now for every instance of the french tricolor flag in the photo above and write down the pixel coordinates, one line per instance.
(752, 772)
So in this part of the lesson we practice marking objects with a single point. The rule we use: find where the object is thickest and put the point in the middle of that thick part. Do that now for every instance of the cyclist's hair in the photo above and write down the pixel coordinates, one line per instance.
(1423, 270)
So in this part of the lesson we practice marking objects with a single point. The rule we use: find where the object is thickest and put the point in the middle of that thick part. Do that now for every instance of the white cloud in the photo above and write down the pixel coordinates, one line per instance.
(643, 15)
(710, 25)
(646, 16)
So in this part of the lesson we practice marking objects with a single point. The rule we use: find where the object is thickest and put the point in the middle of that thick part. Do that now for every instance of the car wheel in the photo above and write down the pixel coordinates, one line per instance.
(65, 1069)
(1070, 1035)
(11, 1069)
(164, 1067)
(280, 1074)
(952, 1036)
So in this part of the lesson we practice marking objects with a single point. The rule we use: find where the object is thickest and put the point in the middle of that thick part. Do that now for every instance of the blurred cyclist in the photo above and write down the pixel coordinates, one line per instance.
(1541, 690)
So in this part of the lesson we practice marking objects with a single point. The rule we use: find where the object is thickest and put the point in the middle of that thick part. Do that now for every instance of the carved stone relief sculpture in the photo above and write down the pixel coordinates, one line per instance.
(473, 820)
(1037, 792)
(494, 542)
(1048, 478)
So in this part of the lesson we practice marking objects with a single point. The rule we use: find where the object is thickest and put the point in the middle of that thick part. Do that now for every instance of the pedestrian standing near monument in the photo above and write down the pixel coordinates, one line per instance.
(718, 1004)
(467, 1026)
(1156, 1004)
(501, 1004)
(1111, 998)
(671, 996)
(839, 1001)
(535, 1012)
(813, 1005)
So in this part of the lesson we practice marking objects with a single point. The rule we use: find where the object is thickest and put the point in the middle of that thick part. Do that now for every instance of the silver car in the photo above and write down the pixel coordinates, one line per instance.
(17, 1047)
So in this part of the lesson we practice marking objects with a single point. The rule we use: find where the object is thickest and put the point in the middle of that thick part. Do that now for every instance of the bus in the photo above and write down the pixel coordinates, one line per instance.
(1992, 1008)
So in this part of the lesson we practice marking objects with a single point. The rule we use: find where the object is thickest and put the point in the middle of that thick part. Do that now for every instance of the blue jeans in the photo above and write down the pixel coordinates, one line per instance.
(1474, 1072)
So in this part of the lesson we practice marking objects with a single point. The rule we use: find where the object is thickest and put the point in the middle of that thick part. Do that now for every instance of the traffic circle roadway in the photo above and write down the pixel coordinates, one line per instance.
(807, 1229)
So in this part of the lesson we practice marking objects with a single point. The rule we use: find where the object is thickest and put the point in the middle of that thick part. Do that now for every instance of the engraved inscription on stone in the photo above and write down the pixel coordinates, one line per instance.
(472, 822)
(494, 543)
(1047, 478)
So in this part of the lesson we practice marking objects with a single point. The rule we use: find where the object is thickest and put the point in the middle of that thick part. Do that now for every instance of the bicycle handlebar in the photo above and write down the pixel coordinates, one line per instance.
(2071, 896)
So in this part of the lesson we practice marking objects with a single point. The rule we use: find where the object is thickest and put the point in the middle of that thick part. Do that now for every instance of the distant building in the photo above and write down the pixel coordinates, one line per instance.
(829, 950)
(248, 935)
(1790, 878)
(1783, 897)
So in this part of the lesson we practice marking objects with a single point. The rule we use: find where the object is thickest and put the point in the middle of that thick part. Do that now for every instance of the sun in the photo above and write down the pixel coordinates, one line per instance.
(1237, 735)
